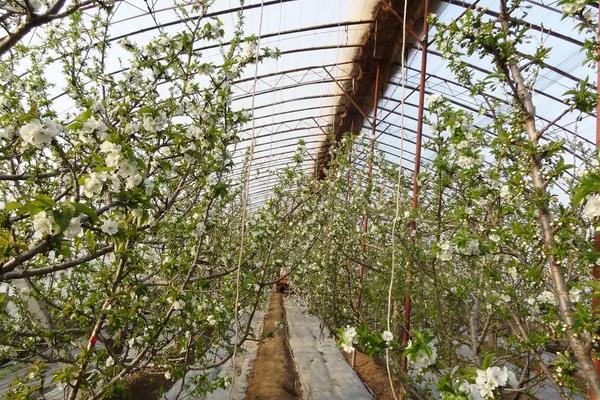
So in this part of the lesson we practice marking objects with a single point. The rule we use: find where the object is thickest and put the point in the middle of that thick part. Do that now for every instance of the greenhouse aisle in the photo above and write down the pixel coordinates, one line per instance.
(243, 363)
(323, 371)
(273, 374)
(297, 359)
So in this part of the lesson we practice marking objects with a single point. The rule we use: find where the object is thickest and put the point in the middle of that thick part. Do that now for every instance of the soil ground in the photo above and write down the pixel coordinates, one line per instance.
(273, 375)
(143, 385)
(372, 371)
(374, 374)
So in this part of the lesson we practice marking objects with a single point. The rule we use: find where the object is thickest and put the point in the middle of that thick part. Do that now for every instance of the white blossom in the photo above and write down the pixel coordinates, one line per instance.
(592, 207)
(93, 184)
(432, 100)
(472, 247)
(133, 180)
(153, 124)
(200, 228)
(546, 297)
(465, 161)
(211, 320)
(178, 305)
(250, 49)
(44, 224)
(488, 380)
(149, 124)
(113, 153)
(94, 125)
(387, 336)
(348, 348)
(574, 7)
(446, 249)
(35, 133)
(115, 183)
(194, 132)
(512, 379)
(423, 358)
(498, 376)
(110, 227)
(6, 133)
(148, 186)
(470, 389)
(129, 171)
(52, 128)
(575, 295)
(485, 387)
(74, 228)
(348, 339)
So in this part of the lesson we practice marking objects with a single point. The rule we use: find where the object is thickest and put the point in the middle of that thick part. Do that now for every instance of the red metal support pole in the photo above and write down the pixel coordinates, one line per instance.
(596, 268)
(365, 225)
(349, 162)
(348, 176)
(417, 169)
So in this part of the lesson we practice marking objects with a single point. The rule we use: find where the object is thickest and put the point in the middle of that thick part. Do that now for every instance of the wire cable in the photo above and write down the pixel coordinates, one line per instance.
(398, 185)
(244, 199)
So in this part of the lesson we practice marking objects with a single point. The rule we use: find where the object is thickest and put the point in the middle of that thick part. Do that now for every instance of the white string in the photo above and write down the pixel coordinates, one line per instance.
(245, 195)
(396, 217)
(270, 162)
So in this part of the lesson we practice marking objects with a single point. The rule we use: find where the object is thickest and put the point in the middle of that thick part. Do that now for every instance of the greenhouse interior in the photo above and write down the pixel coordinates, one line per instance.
(299, 199)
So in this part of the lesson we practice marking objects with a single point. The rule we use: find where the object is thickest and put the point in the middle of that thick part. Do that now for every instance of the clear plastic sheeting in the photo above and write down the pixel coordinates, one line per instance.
(323, 371)
(243, 365)
(294, 96)
(564, 70)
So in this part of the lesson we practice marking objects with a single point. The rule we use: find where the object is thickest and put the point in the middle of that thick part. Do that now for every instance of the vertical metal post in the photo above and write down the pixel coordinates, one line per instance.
(417, 169)
(596, 268)
(349, 162)
(353, 362)
(365, 224)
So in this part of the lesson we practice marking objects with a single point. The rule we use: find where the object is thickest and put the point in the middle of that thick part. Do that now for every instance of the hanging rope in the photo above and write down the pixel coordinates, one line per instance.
(244, 206)
(398, 183)
(270, 166)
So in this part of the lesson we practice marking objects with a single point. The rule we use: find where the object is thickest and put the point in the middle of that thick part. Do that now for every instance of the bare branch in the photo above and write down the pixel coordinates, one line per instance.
(58, 267)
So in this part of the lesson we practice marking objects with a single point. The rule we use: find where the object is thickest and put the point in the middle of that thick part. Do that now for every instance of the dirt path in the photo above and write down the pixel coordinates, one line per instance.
(373, 374)
(273, 375)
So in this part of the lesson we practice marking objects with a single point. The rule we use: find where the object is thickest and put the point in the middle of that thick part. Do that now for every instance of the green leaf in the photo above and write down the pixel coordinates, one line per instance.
(204, 283)
(62, 219)
(582, 97)
(33, 207)
(84, 116)
(588, 184)
(81, 208)
(44, 199)
(74, 126)
(487, 361)
(220, 189)
(12, 205)
(63, 248)
(146, 110)
(90, 239)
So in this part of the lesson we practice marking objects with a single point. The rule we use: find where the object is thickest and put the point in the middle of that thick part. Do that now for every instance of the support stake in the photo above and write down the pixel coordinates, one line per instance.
(596, 268)
(415, 182)
(365, 224)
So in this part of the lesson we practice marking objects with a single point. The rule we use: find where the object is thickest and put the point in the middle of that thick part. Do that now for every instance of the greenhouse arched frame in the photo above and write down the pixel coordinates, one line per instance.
(299, 199)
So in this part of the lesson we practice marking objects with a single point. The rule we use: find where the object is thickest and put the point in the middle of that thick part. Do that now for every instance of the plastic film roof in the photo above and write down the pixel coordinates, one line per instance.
(294, 96)
(563, 72)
